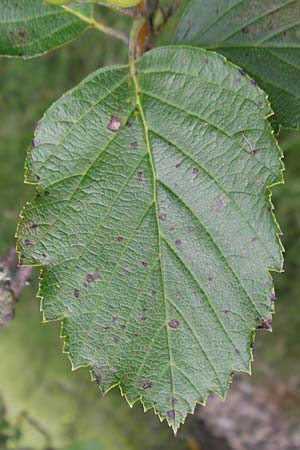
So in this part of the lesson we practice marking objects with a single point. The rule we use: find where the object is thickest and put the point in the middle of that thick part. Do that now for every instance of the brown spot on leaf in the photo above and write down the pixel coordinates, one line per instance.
(114, 124)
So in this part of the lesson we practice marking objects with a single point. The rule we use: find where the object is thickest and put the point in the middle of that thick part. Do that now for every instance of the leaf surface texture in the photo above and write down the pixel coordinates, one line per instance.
(152, 221)
(31, 27)
(263, 37)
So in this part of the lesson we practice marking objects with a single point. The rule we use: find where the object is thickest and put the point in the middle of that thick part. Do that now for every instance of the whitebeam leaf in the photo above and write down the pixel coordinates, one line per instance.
(153, 223)
(263, 37)
(30, 27)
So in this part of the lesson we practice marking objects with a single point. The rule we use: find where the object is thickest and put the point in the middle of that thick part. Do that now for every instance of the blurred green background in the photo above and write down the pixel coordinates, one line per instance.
(42, 403)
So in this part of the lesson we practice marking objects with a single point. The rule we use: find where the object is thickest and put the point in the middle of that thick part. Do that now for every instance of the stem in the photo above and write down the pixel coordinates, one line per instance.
(99, 26)
(12, 282)
(127, 12)
(137, 26)
(141, 38)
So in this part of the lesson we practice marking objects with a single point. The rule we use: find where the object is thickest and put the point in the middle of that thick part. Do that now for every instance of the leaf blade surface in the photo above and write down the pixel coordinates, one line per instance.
(153, 222)
(261, 37)
(31, 27)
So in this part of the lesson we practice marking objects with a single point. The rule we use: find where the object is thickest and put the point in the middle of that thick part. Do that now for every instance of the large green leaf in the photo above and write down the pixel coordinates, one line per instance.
(30, 27)
(152, 221)
(263, 37)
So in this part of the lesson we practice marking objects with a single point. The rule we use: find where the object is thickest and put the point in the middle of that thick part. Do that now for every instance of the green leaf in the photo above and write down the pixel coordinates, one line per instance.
(262, 37)
(31, 27)
(152, 221)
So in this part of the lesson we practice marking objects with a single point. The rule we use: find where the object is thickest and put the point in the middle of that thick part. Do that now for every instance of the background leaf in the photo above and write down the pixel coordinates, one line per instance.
(31, 27)
(153, 222)
(263, 37)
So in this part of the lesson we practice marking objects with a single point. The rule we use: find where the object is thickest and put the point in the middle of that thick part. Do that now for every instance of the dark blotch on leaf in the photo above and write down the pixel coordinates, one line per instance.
(148, 385)
(46, 193)
(91, 277)
(19, 37)
(120, 238)
(266, 325)
(145, 264)
(242, 72)
(76, 293)
(163, 216)
(219, 204)
(134, 145)
(28, 242)
(114, 124)
(171, 414)
(178, 242)
(195, 170)
(174, 323)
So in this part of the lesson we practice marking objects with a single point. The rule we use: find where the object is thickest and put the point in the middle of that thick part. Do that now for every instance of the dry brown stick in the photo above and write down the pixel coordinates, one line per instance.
(13, 280)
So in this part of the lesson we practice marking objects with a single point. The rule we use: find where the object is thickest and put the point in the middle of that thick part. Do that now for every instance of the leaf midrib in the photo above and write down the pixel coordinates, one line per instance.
(152, 164)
